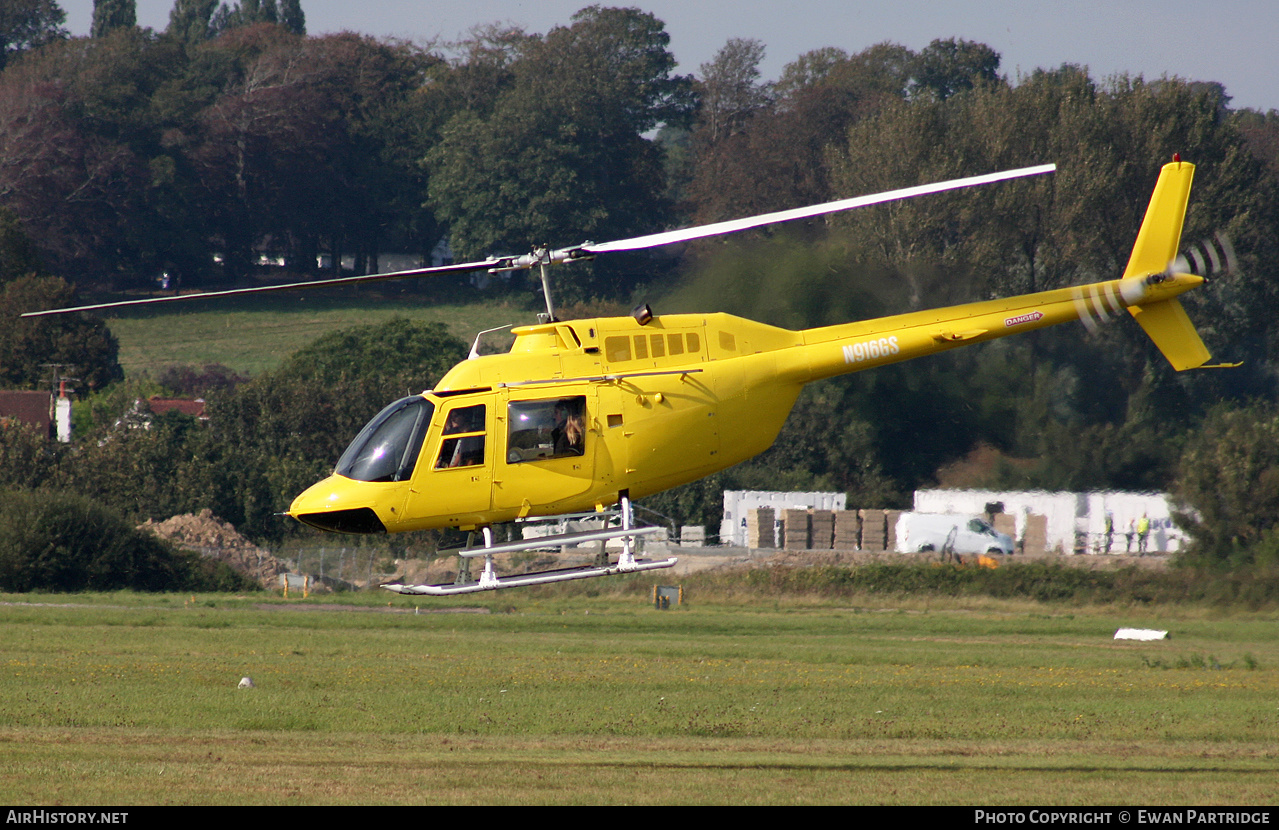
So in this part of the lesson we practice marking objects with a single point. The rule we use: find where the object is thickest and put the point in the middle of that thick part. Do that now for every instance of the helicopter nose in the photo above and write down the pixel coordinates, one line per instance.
(339, 505)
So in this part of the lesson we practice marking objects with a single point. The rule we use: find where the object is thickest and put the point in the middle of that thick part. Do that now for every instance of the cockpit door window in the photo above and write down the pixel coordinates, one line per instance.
(463, 444)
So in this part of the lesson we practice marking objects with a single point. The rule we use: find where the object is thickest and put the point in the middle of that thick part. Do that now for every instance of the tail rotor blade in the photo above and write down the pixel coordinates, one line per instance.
(1206, 258)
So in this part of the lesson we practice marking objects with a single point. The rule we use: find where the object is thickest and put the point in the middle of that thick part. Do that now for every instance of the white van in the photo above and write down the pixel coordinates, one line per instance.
(954, 532)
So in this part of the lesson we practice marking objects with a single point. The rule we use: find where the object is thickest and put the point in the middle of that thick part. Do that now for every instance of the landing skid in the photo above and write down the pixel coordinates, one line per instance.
(490, 581)
(539, 578)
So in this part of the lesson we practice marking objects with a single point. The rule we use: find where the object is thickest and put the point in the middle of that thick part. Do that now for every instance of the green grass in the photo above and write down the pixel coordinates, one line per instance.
(254, 335)
(123, 699)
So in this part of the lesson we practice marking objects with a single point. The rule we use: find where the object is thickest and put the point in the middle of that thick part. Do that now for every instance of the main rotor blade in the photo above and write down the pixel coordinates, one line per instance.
(292, 286)
(589, 249)
(666, 238)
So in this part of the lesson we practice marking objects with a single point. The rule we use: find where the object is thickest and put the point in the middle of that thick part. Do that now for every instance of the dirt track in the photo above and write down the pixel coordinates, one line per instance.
(693, 560)
(701, 559)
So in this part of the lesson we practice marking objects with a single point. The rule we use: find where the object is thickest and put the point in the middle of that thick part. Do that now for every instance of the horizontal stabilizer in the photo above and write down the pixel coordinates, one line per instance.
(1167, 324)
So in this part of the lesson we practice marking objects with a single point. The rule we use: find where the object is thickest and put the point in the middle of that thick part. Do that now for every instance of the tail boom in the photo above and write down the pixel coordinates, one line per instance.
(1148, 291)
(852, 347)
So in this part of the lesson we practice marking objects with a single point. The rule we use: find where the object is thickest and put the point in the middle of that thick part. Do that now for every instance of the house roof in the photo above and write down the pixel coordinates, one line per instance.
(187, 406)
(27, 407)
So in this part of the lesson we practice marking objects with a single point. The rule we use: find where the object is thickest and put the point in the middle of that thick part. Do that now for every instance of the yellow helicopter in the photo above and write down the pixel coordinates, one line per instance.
(582, 415)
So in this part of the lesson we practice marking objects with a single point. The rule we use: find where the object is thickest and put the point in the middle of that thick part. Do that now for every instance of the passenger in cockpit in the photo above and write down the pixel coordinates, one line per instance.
(568, 431)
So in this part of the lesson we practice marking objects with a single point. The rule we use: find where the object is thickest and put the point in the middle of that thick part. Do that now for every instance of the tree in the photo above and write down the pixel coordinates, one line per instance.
(18, 255)
(27, 24)
(1052, 231)
(81, 161)
(819, 96)
(1261, 130)
(262, 142)
(292, 17)
(947, 67)
(80, 342)
(562, 154)
(189, 20)
(371, 198)
(244, 13)
(303, 144)
(474, 81)
(1229, 478)
(730, 88)
(809, 70)
(109, 15)
(27, 456)
(731, 99)
(200, 382)
(881, 71)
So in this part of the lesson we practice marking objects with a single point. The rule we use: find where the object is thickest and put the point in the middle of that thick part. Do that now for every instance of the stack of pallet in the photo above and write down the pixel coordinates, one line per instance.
(890, 528)
(1036, 538)
(760, 530)
(795, 530)
(874, 531)
(822, 525)
(848, 530)
(1006, 523)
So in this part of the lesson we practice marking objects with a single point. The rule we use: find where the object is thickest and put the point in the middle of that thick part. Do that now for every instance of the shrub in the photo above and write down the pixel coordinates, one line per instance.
(52, 541)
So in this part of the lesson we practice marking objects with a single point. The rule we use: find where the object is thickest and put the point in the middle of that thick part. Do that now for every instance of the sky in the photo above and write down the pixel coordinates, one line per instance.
(1231, 42)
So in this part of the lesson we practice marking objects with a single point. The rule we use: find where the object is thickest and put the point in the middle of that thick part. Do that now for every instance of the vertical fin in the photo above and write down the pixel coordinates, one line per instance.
(1161, 229)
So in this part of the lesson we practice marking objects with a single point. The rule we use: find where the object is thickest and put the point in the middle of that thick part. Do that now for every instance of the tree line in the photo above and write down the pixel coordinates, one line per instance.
(233, 133)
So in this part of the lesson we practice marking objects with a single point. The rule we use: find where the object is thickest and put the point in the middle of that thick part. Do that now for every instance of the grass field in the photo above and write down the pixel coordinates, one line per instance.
(253, 335)
(568, 698)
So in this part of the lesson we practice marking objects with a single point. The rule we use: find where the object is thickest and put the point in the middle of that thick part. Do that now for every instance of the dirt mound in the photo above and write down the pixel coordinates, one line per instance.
(209, 536)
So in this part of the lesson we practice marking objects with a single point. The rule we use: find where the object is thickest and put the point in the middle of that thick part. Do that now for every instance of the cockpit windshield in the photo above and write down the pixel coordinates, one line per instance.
(388, 447)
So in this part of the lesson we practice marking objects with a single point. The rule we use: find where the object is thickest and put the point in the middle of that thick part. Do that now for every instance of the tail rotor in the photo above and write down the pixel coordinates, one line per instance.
(1206, 258)
(1212, 257)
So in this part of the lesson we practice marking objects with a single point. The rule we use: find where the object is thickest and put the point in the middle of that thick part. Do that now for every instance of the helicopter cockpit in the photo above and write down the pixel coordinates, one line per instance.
(387, 449)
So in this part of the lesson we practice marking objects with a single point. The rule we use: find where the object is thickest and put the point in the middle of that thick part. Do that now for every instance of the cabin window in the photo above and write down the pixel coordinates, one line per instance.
(694, 343)
(676, 343)
(549, 428)
(658, 342)
(641, 347)
(387, 449)
(617, 348)
(727, 342)
(466, 447)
